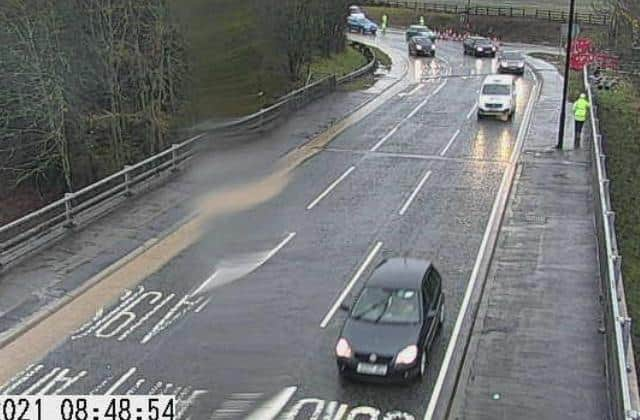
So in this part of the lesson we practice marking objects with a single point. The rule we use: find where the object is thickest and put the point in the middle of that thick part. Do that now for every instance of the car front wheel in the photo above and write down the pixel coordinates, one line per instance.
(423, 364)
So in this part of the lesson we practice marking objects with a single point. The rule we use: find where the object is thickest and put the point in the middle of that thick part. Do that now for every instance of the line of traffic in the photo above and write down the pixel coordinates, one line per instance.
(495, 215)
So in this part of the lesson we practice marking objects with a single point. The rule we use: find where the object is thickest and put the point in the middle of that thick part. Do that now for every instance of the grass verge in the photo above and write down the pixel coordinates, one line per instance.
(340, 64)
(620, 124)
(233, 71)
(369, 80)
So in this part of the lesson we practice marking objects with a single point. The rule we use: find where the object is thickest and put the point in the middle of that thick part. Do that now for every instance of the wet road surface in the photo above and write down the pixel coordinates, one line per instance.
(244, 315)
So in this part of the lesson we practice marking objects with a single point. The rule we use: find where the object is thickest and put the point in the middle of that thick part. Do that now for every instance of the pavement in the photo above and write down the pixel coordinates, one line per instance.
(229, 305)
(535, 351)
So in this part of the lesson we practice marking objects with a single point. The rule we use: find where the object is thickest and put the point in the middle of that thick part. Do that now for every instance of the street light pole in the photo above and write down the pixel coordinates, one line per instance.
(565, 89)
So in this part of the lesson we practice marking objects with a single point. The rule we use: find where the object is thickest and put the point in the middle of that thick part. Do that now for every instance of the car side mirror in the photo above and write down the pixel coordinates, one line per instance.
(345, 307)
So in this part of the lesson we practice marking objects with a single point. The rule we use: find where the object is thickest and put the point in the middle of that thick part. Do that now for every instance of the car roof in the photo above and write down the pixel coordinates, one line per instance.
(418, 27)
(402, 273)
(421, 38)
(504, 79)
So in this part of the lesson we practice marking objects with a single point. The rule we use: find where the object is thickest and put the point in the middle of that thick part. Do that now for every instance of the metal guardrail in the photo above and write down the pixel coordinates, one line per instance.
(551, 15)
(620, 366)
(39, 228)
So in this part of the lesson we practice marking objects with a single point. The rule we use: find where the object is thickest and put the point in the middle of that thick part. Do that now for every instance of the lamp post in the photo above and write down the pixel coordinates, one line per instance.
(565, 89)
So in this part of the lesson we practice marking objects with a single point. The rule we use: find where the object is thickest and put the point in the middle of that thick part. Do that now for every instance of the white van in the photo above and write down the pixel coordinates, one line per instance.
(497, 97)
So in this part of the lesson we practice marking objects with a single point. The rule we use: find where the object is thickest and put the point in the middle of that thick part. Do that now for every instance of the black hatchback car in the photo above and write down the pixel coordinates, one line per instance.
(390, 329)
(479, 46)
(421, 45)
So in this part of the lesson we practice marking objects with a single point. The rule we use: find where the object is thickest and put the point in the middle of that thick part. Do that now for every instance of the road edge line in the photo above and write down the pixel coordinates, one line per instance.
(482, 265)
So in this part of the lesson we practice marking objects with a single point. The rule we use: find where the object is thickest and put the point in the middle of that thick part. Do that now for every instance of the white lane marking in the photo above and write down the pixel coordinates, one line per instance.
(238, 270)
(352, 282)
(473, 109)
(413, 91)
(446, 361)
(408, 117)
(330, 188)
(270, 409)
(453, 138)
(413, 195)
(120, 381)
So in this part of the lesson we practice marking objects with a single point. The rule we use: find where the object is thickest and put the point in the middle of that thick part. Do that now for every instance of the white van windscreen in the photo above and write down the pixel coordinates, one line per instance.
(496, 90)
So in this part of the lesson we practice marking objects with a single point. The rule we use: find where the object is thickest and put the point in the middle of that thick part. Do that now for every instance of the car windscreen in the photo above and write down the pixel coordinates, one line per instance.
(483, 42)
(512, 56)
(387, 306)
(493, 89)
(422, 40)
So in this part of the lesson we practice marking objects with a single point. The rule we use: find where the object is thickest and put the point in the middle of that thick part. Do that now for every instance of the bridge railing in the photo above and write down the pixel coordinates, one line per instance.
(43, 226)
(621, 376)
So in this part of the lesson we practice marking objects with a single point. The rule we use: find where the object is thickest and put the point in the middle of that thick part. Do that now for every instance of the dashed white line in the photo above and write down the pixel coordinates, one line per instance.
(413, 91)
(453, 138)
(408, 117)
(273, 407)
(473, 109)
(330, 188)
(352, 282)
(120, 381)
(415, 192)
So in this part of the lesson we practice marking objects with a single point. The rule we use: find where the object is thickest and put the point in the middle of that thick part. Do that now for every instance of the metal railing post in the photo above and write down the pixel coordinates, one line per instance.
(174, 157)
(626, 338)
(127, 181)
(617, 264)
(68, 210)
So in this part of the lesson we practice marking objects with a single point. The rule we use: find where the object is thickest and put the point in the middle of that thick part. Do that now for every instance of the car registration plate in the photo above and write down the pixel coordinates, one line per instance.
(372, 369)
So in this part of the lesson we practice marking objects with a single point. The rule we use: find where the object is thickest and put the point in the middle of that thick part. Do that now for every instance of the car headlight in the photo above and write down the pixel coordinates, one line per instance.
(343, 349)
(503, 64)
(493, 48)
(433, 47)
(479, 48)
(521, 64)
(419, 47)
(408, 355)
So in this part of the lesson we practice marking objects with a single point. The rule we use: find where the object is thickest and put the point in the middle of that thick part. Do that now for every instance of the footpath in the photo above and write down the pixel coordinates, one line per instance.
(535, 350)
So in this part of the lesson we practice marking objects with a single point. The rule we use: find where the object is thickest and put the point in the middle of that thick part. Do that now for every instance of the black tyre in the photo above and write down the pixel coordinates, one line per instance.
(423, 365)
(480, 116)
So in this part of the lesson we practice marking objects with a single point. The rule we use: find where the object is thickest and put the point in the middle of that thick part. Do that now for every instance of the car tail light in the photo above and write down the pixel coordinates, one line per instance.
(343, 349)
(408, 355)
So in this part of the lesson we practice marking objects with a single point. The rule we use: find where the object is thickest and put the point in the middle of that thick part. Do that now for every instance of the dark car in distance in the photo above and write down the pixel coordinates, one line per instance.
(361, 24)
(511, 62)
(479, 46)
(421, 31)
(421, 45)
(390, 329)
